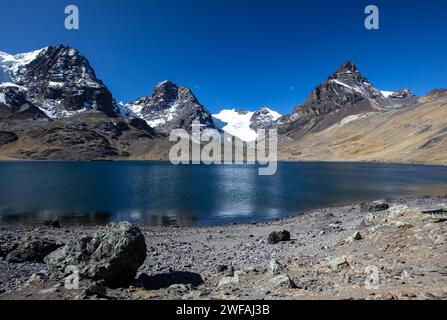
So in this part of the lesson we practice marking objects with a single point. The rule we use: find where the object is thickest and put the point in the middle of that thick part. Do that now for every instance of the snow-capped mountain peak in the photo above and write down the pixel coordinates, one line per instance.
(171, 107)
(58, 80)
(11, 64)
(264, 118)
(349, 79)
(243, 124)
(237, 123)
(345, 88)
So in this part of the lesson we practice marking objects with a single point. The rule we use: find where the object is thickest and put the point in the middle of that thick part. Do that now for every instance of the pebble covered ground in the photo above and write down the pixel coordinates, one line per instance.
(344, 252)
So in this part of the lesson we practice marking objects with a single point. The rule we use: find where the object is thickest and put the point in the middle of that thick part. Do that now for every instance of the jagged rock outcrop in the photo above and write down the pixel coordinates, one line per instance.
(11, 64)
(345, 87)
(265, 118)
(172, 107)
(54, 106)
(61, 82)
(15, 104)
(345, 93)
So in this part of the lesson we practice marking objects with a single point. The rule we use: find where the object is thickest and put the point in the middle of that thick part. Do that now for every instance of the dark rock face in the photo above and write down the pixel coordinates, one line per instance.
(172, 107)
(142, 125)
(346, 86)
(277, 237)
(53, 101)
(264, 118)
(7, 137)
(344, 93)
(112, 254)
(61, 80)
(32, 249)
(17, 105)
(111, 129)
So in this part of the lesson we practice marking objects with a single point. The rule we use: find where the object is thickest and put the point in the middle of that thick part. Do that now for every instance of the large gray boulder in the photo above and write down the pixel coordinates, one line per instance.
(112, 254)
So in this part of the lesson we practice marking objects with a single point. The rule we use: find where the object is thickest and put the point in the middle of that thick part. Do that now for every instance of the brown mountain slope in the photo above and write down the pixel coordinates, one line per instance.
(86, 136)
(414, 134)
(344, 93)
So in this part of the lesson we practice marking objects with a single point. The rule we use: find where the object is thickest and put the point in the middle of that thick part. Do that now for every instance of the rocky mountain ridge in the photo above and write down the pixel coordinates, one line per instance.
(61, 82)
(46, 93)
(11, 64)
(344, 93)
(171, 107)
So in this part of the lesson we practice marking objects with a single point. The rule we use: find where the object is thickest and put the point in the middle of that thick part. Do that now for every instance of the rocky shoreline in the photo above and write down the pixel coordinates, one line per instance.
(388, 249)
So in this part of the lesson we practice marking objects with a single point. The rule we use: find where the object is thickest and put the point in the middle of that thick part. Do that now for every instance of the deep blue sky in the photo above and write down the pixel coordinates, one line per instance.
(239, 53)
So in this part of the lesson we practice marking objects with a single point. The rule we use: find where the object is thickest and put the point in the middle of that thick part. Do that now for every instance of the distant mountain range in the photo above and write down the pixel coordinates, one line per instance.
(53, 106)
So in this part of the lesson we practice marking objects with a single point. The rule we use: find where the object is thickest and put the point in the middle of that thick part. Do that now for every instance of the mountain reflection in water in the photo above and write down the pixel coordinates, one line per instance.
(157, 193)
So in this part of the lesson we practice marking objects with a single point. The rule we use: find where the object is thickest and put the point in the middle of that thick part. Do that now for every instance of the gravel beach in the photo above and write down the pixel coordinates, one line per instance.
(388, 249)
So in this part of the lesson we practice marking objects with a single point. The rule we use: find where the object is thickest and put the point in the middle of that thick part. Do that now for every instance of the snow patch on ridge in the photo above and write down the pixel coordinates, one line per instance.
(155, 120)
(275, 115)
(348, 86)
(243, 124)
(125, 111)
(5, 85)
(352, 118)
(238, 124)
(167, 116)
(11, 64)
(387, 94)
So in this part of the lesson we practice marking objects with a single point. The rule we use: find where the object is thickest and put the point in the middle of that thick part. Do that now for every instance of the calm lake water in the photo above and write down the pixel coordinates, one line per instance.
(157, 193)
